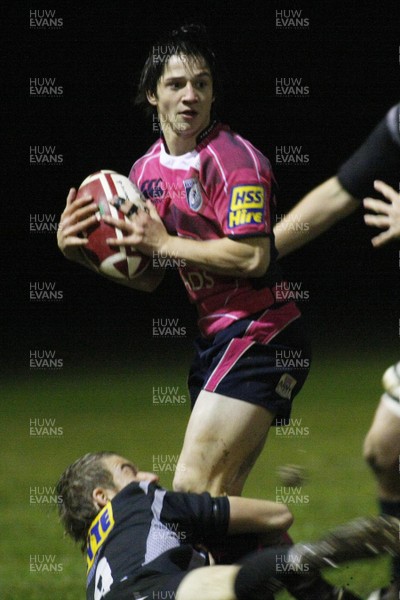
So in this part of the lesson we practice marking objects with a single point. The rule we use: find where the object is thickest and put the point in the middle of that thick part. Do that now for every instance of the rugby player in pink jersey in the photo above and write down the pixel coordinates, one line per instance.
(210, 195)
(211, 203)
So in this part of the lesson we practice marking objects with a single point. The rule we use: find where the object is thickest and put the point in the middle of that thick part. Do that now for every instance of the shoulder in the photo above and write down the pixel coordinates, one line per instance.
(149, 159)
(229, 152)
(392, 122)
(137, 489)
(229, 160)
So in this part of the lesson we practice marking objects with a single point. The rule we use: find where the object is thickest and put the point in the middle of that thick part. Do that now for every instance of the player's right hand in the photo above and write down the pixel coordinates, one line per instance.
(78, 215)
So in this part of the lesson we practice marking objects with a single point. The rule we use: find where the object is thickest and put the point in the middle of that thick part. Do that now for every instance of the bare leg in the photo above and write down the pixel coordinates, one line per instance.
(209, 583)
(382, 450)
(223, 439)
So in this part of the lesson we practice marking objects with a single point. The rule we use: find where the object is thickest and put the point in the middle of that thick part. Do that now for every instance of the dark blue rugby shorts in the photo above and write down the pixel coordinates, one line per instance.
(251, 361)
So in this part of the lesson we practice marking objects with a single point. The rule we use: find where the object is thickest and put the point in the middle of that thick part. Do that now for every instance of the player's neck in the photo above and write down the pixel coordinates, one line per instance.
(176, 145)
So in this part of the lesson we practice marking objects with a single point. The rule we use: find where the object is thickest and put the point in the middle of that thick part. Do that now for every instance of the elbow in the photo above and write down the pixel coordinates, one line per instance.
(283, 518)
(258, 264)
(288, 520)
(253, 258)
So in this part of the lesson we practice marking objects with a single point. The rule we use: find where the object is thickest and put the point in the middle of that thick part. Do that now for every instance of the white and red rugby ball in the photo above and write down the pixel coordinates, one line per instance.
(121, 262)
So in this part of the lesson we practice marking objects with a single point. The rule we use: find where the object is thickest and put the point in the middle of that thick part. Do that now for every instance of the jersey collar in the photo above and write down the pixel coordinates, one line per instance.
(204, 136)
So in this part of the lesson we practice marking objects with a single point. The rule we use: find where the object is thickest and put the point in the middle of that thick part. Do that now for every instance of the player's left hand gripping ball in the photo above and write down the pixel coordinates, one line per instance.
(121, 262)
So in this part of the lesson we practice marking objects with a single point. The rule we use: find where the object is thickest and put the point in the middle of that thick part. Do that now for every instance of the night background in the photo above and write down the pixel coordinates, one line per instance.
(347, 54)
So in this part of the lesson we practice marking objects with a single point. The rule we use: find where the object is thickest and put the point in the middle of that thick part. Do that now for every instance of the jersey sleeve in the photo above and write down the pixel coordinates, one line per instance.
(243, 205)
(377, 158)
(237, 179)
(200, 516)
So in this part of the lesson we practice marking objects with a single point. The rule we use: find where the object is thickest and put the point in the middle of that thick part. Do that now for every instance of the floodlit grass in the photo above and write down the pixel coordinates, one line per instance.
(114, 410)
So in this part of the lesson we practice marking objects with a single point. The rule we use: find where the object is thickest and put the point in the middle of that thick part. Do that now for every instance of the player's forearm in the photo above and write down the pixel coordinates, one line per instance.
(315, 213)
(257, 516)
(243, 258)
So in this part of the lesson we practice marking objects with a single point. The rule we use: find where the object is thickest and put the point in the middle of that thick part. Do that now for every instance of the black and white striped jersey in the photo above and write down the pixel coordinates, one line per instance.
(146, 531)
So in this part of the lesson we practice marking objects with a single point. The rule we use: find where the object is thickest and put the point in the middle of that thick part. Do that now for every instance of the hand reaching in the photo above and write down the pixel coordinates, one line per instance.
(387, 215)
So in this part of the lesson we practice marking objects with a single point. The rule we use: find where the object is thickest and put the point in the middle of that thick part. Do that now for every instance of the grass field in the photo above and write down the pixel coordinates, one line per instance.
(95, 410)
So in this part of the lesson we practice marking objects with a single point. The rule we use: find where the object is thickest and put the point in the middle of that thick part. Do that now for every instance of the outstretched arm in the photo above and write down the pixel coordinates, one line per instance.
(315, 213)
(379, 154)
(248, 515)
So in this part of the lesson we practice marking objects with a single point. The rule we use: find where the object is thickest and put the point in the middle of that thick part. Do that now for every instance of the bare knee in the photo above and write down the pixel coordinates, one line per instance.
(380, 458)
(185, 481)
(385, 464)
(209, 583)
(194, 479)
(372, 456)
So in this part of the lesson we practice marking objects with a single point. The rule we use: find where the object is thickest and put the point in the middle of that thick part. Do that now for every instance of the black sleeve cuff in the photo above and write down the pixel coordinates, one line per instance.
(248, 235)
(221, 513)
(377, 158)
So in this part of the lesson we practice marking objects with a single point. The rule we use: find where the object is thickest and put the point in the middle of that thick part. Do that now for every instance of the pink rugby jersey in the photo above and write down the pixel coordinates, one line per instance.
(222, 188)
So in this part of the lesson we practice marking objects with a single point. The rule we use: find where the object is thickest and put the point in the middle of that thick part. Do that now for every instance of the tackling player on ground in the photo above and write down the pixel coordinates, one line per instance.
(378, 158)
(142, 541)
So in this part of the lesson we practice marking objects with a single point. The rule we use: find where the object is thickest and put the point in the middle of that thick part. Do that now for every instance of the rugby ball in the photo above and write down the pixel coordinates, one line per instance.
(121, 262)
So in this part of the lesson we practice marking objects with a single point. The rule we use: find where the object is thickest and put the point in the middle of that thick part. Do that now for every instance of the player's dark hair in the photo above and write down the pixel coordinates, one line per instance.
(190, 41)
(75, 488)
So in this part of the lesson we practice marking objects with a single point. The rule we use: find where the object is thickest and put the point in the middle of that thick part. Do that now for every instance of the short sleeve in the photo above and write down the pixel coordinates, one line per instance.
(377, 158)
(200, 516)
(243, 204)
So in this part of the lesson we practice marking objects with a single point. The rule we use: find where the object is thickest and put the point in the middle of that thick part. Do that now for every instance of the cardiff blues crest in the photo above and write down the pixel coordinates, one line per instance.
(193, 193)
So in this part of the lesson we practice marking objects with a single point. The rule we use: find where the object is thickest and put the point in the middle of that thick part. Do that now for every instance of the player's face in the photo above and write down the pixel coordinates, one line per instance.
(183, 101)
(125, 472)
(122, 470)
